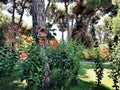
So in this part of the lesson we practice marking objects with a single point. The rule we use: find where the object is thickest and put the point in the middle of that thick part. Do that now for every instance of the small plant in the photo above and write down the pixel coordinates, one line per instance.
(115, 62)
(98, 70)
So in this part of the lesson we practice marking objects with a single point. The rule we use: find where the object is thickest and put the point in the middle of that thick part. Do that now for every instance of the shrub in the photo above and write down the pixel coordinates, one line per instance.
(90, 53)
(32, 67)
(7, 61)
(115, 62)
(64, 62)
(98, 70)
(104, 51)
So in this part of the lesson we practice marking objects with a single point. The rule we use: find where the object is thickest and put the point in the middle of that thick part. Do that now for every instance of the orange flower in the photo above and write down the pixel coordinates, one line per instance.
(23, 55)
(41, 42)
(51, 44)
(29, 40)
(53, 47)
(56, 42)
(105, 51)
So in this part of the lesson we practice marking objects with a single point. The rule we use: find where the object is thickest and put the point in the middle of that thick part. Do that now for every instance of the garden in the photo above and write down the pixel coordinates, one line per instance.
(33, 58)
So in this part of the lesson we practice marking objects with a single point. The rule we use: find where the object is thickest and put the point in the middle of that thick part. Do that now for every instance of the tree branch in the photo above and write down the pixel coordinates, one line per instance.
(23, 7)
(13, 13)
(47, 6)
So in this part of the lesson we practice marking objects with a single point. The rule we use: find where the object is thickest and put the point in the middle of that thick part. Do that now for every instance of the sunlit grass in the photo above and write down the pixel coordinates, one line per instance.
(90, 76)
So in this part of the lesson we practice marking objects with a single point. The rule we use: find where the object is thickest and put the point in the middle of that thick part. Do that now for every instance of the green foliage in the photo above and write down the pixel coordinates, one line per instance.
(116, 2)
(92, 4)
(108, 22)
(115, 74)
(116, 25)
(65, 64)
(32, 68)
(105, 3)
(90, 54)
(3, 27)
(98, 70)
(2, 38)
(7, 61)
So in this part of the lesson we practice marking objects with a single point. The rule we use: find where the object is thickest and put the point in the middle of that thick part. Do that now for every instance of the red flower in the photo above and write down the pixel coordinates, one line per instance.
(56, 42)
(105, 51)
(23, 55)
(41, 42)
(53, 47)
(51, 44)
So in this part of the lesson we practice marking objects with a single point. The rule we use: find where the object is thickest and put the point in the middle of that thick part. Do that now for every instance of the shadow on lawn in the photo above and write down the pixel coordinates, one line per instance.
(82, 85)
(8, 84)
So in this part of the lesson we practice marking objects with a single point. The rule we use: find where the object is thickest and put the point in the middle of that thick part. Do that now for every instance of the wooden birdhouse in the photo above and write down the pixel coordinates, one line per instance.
(42, 33)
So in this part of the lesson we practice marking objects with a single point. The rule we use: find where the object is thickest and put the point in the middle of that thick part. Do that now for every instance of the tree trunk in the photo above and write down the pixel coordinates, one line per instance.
(39, 20)
(38, 16)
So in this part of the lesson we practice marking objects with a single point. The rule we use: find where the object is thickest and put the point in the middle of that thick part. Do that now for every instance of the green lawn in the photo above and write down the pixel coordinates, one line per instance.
(88, 76)
(86, 80)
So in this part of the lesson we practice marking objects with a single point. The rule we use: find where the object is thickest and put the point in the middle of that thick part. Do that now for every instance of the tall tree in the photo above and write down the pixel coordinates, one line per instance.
(86, 14)
(39, 20)
(38, 16)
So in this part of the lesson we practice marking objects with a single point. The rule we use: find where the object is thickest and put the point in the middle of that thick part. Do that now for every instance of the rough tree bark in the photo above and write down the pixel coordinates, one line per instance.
(38, 16)
(39, 20)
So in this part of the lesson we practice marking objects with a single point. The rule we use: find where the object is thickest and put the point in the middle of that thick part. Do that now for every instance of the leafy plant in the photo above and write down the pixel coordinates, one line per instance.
(115, 62)
(7, 61)
(98, 70)
(90, 54)
(63, 60)
(32, 68)
(65, 64)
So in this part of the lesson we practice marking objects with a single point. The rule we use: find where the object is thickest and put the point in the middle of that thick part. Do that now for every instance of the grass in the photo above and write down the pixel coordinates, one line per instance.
(88, 75)
(86, 80)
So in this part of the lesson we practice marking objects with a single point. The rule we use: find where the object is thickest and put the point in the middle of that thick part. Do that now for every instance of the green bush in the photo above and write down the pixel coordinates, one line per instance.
(7, 61)
(64, 63)
(32, 68)
(115, 62)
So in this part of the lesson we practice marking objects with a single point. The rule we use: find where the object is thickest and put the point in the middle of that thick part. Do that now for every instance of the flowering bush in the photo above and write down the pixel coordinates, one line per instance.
(63, 59)
(104, 51)
(65, 63)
